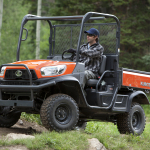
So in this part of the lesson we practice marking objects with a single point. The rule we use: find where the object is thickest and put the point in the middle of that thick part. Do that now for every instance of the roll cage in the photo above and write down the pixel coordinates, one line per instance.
(83, 18)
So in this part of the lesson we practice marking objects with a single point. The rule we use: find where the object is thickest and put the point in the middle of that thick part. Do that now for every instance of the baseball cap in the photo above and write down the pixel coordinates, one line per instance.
(92, 31)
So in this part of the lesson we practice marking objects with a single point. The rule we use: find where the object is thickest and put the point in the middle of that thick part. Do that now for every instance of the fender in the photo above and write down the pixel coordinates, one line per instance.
(70, 85)
(139, 97)
(65, 78)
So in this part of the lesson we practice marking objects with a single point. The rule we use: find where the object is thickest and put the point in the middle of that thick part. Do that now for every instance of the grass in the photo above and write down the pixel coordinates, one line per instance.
(106, 133)
(53, 140)
(31, 117)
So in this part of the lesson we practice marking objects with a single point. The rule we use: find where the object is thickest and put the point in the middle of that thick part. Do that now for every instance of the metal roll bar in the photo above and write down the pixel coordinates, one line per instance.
(84, 18)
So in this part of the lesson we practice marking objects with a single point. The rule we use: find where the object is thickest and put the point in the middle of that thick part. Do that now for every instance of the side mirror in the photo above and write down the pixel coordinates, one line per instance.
(26, 34)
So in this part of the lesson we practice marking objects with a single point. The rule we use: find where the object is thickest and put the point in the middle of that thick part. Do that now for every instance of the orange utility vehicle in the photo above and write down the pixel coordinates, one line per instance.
(53, 87)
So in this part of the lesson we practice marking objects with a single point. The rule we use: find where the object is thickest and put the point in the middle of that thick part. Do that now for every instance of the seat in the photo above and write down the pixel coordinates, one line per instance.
(93, 82)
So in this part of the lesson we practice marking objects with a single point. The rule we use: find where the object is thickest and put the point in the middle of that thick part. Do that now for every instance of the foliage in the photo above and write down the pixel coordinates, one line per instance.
(133, 15)
(12, 16)
(31, 117)
(135, 37)
(134, 18)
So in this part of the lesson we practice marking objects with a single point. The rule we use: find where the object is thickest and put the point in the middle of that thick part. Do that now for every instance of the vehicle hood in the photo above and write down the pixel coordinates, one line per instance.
(32, 64)
(38, 64)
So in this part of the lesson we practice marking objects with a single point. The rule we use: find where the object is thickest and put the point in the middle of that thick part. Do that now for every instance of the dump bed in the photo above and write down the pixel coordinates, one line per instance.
(136, 79)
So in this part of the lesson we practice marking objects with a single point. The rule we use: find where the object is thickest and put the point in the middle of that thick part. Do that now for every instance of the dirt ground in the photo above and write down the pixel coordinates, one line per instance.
(21, 127)
(25, 128)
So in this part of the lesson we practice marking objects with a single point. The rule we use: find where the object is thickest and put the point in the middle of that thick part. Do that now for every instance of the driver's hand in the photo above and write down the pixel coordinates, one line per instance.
(71, 50)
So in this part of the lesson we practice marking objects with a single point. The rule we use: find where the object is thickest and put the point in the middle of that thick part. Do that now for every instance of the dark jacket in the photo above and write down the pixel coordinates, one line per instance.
(91, 57)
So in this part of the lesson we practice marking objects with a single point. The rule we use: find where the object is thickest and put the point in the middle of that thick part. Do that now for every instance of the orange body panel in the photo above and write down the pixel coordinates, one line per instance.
(38, 64)
(136, 80)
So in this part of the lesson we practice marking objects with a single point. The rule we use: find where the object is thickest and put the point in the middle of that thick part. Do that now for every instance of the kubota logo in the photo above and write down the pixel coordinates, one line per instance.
(18, 73)
(145, 84)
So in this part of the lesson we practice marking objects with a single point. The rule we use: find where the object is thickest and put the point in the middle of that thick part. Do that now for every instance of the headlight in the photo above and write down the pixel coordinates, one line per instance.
(53, 70)
(2, 71)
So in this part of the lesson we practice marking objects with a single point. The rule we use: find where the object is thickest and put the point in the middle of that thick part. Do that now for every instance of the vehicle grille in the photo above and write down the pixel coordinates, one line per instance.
(11, 74)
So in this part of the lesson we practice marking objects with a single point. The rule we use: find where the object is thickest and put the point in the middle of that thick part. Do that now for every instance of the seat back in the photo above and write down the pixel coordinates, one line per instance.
(103, 65)
(93, 82)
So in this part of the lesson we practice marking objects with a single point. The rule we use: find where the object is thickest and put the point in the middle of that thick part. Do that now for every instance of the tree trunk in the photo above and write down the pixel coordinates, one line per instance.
(1, 14)
(38, 26)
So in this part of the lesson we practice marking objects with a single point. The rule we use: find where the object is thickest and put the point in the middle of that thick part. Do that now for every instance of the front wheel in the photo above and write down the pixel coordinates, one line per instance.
(132, 122)
(59, 112)
(8, 117)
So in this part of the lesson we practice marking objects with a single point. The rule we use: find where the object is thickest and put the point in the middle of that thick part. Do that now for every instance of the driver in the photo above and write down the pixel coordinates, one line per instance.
(90, 54)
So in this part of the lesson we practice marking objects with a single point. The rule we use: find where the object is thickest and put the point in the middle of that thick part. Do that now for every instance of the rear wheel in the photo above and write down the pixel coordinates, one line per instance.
(59, 112)
(8, 117)
(133, 121)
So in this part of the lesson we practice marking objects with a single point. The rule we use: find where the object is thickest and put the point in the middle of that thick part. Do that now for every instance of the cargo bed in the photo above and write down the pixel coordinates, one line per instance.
(136, 79)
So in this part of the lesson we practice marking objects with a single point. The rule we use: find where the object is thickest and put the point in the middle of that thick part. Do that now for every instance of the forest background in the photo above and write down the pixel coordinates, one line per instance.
(134, 16)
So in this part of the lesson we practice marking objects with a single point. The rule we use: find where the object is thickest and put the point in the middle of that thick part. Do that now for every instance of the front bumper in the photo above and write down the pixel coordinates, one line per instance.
(30, 87)
(24, 103)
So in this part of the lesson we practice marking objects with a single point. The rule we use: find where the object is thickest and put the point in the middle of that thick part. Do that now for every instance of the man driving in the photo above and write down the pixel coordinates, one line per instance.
(91, 54)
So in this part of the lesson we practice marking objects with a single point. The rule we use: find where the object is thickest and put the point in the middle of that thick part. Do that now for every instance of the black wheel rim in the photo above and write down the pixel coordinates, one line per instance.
(63, 114)
(136, 120)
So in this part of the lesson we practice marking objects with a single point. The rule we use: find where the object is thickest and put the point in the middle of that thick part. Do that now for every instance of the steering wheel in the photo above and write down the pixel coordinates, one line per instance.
(70, 58)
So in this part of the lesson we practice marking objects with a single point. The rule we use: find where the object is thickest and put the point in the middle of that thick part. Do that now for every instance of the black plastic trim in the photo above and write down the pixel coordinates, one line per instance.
(28, 86)
(17, 103)
(134, 94)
